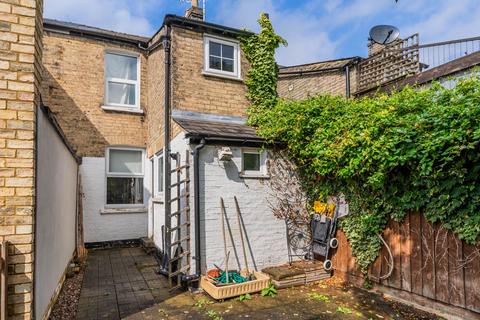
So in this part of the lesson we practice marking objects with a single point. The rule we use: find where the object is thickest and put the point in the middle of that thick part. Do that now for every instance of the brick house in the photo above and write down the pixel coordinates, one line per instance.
(86, 114)
(85, 118)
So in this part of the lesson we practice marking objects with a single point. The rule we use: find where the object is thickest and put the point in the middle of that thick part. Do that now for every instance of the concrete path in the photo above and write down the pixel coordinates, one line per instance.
(120, 282)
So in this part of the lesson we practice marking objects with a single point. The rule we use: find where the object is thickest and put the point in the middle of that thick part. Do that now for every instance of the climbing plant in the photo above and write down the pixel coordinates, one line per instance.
(413, 150)
(416, 150)
(261, 80)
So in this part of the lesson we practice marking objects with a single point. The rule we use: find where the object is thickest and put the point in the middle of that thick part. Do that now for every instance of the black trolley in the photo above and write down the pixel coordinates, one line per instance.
(323, 229)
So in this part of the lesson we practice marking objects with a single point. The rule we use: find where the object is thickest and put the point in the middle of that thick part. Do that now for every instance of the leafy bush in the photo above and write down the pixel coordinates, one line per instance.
(413, 150)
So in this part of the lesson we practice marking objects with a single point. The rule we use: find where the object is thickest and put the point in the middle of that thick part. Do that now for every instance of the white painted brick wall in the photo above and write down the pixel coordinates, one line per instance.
(266, 234)
(106, 227)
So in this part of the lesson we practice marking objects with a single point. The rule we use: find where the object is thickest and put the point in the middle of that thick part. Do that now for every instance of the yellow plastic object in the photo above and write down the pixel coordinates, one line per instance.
(327, 209)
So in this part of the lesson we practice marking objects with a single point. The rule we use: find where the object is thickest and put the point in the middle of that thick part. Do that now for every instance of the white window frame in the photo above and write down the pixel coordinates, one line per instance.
(262, 172)
(156, 184)
(136, 106)
(123, 175)
(236, 57)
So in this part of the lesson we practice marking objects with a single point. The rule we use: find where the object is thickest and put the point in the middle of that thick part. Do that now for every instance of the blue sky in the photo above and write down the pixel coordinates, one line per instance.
(315, 29)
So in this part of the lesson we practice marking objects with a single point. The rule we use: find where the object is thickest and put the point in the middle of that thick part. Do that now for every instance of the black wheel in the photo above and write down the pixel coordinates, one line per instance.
(327, 265)
(333, 243)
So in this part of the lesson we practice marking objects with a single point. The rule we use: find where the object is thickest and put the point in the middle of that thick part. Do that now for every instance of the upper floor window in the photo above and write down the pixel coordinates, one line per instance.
(122, 75)
(222, 57)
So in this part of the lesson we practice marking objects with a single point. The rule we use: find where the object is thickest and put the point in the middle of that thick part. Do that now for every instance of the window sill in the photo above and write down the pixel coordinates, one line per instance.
(158, 200)
(123, 210)
(219, 75)
(123, 109)
(253, 175)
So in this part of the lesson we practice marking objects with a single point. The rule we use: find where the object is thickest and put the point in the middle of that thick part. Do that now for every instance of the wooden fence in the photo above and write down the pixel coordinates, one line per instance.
(396, 60)
(3, 279)
(429, 262)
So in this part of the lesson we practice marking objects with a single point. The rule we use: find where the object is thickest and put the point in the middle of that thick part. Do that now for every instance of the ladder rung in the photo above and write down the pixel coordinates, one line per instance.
(181, 255)
(183, 269)
(179, 183)
(178, 227)
(186, 209)
(178, 198)
(179, 241)
(180, 168)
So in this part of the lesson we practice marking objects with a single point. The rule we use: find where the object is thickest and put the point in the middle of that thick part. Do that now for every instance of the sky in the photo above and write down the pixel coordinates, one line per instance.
(316, 30)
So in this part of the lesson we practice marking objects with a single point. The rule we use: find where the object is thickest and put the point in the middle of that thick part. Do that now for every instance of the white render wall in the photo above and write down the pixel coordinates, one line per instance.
(266, 239)
(99, 226)
(55, 215)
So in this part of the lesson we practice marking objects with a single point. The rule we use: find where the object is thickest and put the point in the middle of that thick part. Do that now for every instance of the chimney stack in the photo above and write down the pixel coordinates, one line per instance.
(194, 12)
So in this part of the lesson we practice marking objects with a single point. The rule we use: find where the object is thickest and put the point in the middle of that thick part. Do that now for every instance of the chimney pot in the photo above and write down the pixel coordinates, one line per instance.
(194, 12)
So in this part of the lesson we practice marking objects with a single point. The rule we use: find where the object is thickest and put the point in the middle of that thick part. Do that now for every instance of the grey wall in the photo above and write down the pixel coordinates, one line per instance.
(101, 224)
(55, 214)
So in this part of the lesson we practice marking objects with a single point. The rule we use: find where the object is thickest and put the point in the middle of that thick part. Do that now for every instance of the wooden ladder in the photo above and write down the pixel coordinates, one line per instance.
(178, 223)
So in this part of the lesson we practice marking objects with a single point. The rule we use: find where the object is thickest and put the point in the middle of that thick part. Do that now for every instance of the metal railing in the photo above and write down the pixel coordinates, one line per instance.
(408, 57)
(435, 54)
(3, 279)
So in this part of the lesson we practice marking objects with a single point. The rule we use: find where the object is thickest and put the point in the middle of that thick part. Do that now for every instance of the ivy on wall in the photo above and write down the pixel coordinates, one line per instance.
(261, 80)
(417, 150)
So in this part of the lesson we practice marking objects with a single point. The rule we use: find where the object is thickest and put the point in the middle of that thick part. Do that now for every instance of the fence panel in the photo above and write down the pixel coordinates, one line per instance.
(429, 261)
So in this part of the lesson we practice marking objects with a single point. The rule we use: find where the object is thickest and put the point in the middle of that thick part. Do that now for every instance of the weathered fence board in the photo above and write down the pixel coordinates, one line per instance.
(456, 285)
(416, 256)
(405, 254)
(441, 264)
(429, 261)
(472, 276)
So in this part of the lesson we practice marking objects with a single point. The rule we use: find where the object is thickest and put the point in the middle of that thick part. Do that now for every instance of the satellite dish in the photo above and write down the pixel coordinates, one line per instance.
(384, 34)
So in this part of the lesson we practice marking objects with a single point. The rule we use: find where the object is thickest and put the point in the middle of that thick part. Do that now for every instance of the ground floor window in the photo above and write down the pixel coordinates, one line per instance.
(254, 162)
(125, 173)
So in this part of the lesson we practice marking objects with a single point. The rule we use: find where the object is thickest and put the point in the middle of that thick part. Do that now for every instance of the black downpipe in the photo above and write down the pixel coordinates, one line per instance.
(347, 81)
(168, 160)
(196, 199)
(196, 186)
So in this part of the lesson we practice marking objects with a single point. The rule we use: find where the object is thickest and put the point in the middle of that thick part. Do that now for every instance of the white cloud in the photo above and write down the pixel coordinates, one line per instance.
(306, 41)
(315, 29)
(447, 20)
(119, 15)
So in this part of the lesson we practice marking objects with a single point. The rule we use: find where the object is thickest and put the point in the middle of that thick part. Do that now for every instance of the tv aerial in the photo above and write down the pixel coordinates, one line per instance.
(384, 34)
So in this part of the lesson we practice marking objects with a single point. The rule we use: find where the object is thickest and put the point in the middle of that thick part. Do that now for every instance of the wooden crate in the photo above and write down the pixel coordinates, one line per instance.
(235, 290)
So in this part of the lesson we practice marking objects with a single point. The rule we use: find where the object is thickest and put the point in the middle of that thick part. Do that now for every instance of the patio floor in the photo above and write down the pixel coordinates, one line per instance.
(122, 283)
(119, 282)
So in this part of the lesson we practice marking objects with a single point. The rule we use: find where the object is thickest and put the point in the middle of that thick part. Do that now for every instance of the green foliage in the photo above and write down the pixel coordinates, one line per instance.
(214, 315)
(203, 302)
(261, 80)
(245, 297)
(319, 297)
(269, 291)
(416, 150)
(344, 310)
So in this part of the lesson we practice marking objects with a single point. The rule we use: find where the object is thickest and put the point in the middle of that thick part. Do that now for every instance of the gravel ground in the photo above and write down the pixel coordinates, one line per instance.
(67, 302)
